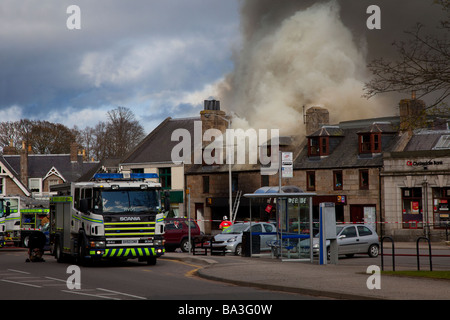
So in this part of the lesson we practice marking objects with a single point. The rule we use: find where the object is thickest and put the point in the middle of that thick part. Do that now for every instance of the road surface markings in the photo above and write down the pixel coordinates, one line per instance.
(23, 284)
(121, 293)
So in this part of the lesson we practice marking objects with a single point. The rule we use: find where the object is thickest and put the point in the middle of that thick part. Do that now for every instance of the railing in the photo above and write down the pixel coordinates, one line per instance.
(429, 252)
(382, 254)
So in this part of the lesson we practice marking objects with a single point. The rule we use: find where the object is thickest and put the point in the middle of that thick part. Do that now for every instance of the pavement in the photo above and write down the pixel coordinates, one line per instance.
(338, 281)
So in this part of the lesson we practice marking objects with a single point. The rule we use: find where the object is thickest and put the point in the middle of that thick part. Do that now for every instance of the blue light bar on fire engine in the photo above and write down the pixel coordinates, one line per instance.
(113, 176)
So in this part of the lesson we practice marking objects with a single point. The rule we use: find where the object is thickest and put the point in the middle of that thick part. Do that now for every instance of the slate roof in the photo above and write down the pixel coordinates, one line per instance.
(40, 164)
(425, 140)
(157, 146)
(344, 148)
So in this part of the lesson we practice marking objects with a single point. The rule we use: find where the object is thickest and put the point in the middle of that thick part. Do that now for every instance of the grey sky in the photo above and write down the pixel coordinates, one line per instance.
(158, 58)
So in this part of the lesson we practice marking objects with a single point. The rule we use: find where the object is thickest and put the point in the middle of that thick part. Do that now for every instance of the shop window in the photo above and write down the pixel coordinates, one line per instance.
(412, 217)
(337, 180)
(369, 143)
(441, 207)
(310, 181)
(318, 146)
(364, 179)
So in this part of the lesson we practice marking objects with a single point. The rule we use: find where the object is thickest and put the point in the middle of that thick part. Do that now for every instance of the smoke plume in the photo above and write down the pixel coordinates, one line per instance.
(294, 54)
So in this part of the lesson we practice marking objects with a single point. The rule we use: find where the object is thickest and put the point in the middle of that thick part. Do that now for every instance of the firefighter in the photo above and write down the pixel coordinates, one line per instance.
(225, 224)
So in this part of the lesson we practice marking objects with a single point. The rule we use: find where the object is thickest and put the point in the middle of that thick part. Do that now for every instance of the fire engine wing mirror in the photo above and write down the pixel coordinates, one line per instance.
(7, 210)
(85, 205)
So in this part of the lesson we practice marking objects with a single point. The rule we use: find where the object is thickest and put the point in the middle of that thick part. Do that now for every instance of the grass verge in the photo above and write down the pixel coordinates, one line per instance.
(420, 274)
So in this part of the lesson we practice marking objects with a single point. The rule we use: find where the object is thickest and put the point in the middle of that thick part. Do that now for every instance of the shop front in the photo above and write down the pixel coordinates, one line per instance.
(416, 194)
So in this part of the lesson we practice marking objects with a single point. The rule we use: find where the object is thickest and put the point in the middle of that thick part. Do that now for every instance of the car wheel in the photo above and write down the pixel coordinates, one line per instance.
(184, 245)
(373, 251)
(238, 251)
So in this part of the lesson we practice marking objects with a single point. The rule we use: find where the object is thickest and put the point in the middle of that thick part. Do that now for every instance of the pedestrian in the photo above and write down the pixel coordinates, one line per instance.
(225, 224)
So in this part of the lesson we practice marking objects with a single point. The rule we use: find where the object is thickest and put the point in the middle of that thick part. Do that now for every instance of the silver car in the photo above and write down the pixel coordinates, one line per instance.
(231, 238)
(355, 238)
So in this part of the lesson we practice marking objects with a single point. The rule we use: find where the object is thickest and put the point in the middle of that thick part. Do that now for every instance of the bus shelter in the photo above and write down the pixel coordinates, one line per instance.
(294, 221)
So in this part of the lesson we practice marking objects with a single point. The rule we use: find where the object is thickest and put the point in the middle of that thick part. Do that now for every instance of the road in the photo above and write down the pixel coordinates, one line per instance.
(130, 280)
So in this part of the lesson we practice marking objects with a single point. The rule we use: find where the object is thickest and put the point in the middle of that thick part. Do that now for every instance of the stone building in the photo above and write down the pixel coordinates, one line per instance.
(416, 185)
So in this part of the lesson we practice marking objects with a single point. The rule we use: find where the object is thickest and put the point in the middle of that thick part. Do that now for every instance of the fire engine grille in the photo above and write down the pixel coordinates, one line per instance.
(129, 229)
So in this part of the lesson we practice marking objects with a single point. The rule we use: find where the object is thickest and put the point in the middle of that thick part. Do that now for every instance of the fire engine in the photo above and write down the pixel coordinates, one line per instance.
(18, 222)
(2, 230)
(114, 216)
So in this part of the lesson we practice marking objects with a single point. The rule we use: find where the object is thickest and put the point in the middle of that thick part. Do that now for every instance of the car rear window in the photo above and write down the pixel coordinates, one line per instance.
(364, 231)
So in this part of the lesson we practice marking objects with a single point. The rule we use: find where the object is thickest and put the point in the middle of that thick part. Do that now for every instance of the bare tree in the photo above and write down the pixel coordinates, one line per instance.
(124, 131)
(423, 66)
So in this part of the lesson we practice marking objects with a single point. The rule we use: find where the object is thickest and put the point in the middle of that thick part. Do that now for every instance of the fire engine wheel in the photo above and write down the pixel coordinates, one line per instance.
(151, 261)
(58, 252)
(81, 256)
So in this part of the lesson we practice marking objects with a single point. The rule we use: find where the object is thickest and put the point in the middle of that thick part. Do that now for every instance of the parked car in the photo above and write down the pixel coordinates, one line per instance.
(177, 233)
(355, 238)
(231, 238)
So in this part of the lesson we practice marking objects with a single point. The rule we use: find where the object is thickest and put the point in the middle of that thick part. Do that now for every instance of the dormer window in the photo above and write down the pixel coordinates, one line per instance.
(370, 142)
(318, 146)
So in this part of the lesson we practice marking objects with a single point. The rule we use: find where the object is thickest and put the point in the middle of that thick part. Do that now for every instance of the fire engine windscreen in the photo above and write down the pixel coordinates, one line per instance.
(126, 201)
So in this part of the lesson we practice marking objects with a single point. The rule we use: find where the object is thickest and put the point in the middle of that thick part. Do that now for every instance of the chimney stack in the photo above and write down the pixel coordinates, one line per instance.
(10, 149)
(412, 113)
(212, 117)
(73, 152)
(24, 164)
(315, 118)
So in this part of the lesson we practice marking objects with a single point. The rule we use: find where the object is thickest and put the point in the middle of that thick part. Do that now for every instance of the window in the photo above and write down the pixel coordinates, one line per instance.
(2, 185)
(318, 146)
(269, 228)
(349, 232)
(364, 231)
(310, 181)
(369, 143)
(35, 184)
(137, 170)
(412, 208)
(443, 143)
(205, 184)
(234, 183)
(256, 228)
(165, 177)
(441, 207)
(364, 179)
(337, 180)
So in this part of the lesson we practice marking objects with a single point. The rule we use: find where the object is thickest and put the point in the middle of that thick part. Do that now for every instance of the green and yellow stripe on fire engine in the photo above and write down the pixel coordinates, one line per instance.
(128, 252)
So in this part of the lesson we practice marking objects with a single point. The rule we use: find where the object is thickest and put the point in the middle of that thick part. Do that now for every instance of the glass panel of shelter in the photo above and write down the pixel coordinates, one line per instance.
(294, 227)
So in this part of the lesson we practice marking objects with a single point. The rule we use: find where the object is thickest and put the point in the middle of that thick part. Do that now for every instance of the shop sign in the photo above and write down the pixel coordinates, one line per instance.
(410, 163)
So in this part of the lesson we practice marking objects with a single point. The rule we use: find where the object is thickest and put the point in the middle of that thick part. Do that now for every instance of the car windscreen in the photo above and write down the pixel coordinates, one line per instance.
(133, 201)
(339, 229)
